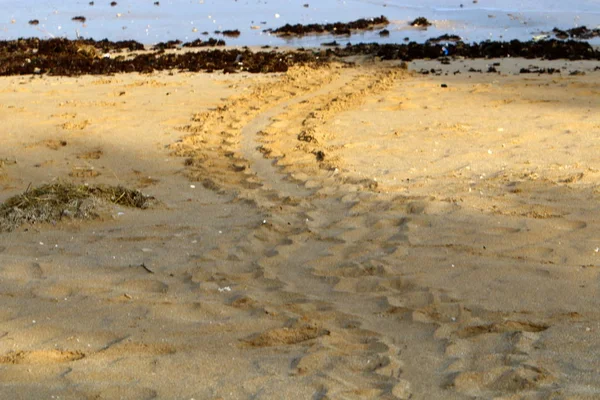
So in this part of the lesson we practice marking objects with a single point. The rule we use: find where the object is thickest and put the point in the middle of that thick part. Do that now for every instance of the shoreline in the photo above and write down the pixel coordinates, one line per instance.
(150, 23)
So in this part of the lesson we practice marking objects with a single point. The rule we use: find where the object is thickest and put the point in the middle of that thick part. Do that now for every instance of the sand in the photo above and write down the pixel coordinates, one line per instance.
(351, 232)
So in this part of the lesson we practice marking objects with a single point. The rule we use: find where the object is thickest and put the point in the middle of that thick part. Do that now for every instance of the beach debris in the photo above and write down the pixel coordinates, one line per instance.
(533, 69)
(34, 22)
(79, 18)
(537, 38)
(445, 38)
(580, 32)
(177, 44)
(224, 289)
(51, 203)
(145, 268)
(546, 49)
(113, 3)
(63, 57)
(338, 28)
(231, 33)
(420, 22)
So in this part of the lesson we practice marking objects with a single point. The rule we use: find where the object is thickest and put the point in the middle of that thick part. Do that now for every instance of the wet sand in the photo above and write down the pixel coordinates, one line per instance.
(346, 232)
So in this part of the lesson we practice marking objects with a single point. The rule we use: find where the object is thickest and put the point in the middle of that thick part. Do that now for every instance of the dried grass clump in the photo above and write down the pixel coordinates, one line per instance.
(51, 203)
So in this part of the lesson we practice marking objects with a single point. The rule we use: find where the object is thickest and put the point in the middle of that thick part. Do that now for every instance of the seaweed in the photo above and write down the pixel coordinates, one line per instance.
(545, 49)
(52, 202)
(338, 28)
(231, 33)
(580, 32)
(62, 57)
(421, 22)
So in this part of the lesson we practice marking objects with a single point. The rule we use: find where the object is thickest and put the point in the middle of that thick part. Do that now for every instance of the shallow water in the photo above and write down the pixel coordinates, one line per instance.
(187, 19)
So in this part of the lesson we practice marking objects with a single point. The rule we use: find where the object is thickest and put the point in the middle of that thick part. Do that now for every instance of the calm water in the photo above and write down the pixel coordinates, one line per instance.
(143, 21)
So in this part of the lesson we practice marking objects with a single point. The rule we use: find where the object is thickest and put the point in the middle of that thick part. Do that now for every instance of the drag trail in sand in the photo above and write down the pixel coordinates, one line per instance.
(418, 272)
(298, 267)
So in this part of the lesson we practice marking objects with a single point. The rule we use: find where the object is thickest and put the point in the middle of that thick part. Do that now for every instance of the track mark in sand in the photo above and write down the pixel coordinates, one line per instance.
(135, 348)
(304, 249)
(302, 232)
(212, 147)
(286, 336)
(75, 126)
(91, 155)
(262, 166)
(506, 326)
(145, 286)
(24, 272)
(41, 357)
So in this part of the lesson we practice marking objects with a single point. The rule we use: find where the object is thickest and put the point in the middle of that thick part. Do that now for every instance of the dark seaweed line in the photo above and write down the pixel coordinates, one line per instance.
(338, 28)
(66, 58)
(547, 49)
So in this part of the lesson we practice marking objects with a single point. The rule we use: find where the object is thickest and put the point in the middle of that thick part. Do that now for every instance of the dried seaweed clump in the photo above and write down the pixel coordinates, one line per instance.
(51, 203)
(338, 28)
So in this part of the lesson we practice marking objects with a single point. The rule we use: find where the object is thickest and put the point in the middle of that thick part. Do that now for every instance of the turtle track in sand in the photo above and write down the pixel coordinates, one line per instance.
(329, 254)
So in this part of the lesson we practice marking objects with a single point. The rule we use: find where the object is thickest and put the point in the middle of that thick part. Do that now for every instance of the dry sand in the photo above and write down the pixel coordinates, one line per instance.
(351, 232)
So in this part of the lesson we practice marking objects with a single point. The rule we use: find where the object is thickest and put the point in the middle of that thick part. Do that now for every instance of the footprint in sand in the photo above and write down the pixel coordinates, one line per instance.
(75, 125)
(144, 286)
(54, 144)
(567, 225)
(286, 336)
(91, 155)
(500, 327)
(84, 172)
(21, 272)
(41, 357)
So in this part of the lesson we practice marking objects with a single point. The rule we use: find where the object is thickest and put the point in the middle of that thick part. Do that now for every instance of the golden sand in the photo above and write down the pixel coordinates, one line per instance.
(350, 232)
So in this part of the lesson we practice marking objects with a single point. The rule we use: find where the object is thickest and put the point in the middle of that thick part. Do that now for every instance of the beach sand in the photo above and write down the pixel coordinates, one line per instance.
(352, 232)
